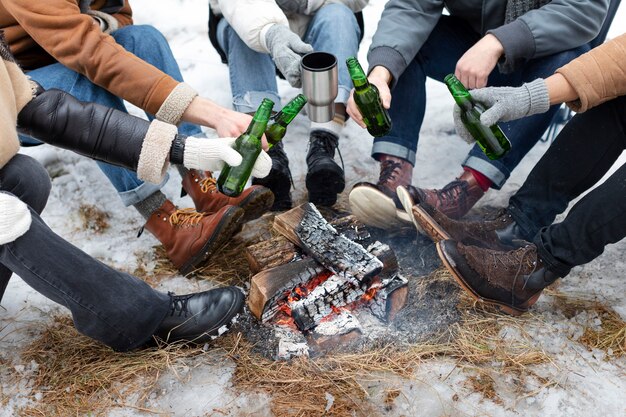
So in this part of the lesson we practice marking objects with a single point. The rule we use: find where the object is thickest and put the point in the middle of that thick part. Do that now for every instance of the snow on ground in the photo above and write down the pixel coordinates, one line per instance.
(587, 383)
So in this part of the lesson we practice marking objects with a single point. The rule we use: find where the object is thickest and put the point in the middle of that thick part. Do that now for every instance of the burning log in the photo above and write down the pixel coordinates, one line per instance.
(270, 253)
(273, 285)
(305, 226)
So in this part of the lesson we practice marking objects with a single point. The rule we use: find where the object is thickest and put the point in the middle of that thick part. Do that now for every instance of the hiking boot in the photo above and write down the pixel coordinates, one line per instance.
(200, 317)
(501, 233)
(512, 280)
(279, 178)
(201, 187)
(455, 199)
(324, 178)
(190, 237)
(376, 204)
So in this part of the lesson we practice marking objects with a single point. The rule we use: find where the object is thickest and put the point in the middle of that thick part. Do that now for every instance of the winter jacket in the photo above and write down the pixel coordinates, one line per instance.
(43, 32)
(599, 75)
(560, 25)
(252, 18)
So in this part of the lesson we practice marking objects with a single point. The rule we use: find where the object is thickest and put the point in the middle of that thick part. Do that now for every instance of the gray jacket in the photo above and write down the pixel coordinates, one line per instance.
(560, 25)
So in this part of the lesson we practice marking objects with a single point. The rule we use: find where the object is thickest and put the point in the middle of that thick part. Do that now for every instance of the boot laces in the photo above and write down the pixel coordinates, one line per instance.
(388, 170)
(179, 304)
(207, 184)
(523, 258)
(326, 144)
(186, 217)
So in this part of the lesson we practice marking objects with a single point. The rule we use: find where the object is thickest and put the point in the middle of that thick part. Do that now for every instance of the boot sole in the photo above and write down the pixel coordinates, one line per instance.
(257, 203)
(229, 225)
(324, 184)
(374, 208)
(458, 277)
(409, 207)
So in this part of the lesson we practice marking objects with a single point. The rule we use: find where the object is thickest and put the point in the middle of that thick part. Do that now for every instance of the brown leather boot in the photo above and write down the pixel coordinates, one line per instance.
(254, 200)
(501, 233)
(455, 199)
(190, 237)
(376, 204)
(512, 281)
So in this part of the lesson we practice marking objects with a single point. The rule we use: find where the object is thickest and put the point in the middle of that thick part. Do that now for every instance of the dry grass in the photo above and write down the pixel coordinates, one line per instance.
(610, 336)
(78, 376)
(93, 218)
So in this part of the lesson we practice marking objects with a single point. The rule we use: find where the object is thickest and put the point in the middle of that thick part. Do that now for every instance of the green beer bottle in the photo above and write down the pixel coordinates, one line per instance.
(492, 139)
(276, 131)
(367, 99)
(232, 180)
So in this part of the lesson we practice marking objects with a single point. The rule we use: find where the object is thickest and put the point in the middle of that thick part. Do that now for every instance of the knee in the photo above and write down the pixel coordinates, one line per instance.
(136, 37)
(337, 16)
(28, 180)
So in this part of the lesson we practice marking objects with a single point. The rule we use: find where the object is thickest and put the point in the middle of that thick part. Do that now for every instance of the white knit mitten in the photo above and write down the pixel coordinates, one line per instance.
(14, 218)
(211, 154)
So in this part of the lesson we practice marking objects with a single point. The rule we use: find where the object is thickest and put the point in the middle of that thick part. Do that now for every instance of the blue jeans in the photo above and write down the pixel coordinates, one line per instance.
(148, 44)
(113, 307)
(332, 29)
(449, 40)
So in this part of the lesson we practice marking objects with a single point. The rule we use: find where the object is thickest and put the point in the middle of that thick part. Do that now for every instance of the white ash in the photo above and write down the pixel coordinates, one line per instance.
(291, 343)
(338, 324)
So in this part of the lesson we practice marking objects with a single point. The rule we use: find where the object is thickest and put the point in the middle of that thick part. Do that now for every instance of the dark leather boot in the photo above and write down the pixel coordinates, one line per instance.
(324, 179)
(512, 281)
(279, 178)
(501, 233)
(201, 187)
(200, 317)
(455, 199)
(190, 237)
(376, 204)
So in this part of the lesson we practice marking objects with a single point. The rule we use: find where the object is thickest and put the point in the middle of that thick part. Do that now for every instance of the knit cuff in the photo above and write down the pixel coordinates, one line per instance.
(193, 151)
(172, 109)
(539, 97)
(389, 58)
(518, 42)
(155, 149)
(15, 219)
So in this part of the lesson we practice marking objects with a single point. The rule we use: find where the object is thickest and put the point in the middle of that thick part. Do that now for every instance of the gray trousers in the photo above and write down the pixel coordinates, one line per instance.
(112, 307)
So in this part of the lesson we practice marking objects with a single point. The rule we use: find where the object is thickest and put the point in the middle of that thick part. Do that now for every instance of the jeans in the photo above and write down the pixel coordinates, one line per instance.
(112, 307)
(148, 44)
(449, 40)
(332, 29)
(581, 155)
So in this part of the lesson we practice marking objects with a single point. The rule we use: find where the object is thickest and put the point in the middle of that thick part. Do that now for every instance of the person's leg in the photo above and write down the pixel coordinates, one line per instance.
(522, 133)
(252, 74)
(594, 222)
(26, 179)
(580, 156)
(332, 29)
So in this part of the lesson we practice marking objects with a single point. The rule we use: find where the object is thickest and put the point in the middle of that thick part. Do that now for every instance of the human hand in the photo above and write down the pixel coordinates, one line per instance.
(380, 77)
(212, 154)
(286, 49)
(293, 6)
(15, 218)
(506, 103)
(476, 64)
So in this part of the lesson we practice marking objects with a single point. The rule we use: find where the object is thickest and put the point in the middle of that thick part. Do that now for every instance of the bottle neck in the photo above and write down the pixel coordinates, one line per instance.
(359, 79)
(461, 96)
(290, 111)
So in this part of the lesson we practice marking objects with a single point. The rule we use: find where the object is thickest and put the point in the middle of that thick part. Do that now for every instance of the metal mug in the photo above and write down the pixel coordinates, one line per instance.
(319, 85)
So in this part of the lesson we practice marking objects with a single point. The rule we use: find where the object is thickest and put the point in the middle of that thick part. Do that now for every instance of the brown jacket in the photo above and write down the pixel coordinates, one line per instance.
(42, 32)
(599, 75)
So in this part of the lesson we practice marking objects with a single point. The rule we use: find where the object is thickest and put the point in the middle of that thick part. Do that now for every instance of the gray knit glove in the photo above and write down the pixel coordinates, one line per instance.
(293, 6)
(285, 48)
(505, 104)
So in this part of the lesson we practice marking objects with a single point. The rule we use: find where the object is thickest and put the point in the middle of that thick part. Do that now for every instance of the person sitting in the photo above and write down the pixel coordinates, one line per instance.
(272, 34)
(110, 306)
(92, 50)
(508, 261)
(493, 42)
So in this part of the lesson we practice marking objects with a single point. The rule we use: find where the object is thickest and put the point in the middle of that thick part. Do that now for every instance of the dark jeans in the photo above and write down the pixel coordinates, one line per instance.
(115, 308)
(449, 40)
(580, 156)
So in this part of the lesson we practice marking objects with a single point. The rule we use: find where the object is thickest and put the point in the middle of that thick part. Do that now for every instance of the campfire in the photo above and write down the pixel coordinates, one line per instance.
(316, 283)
